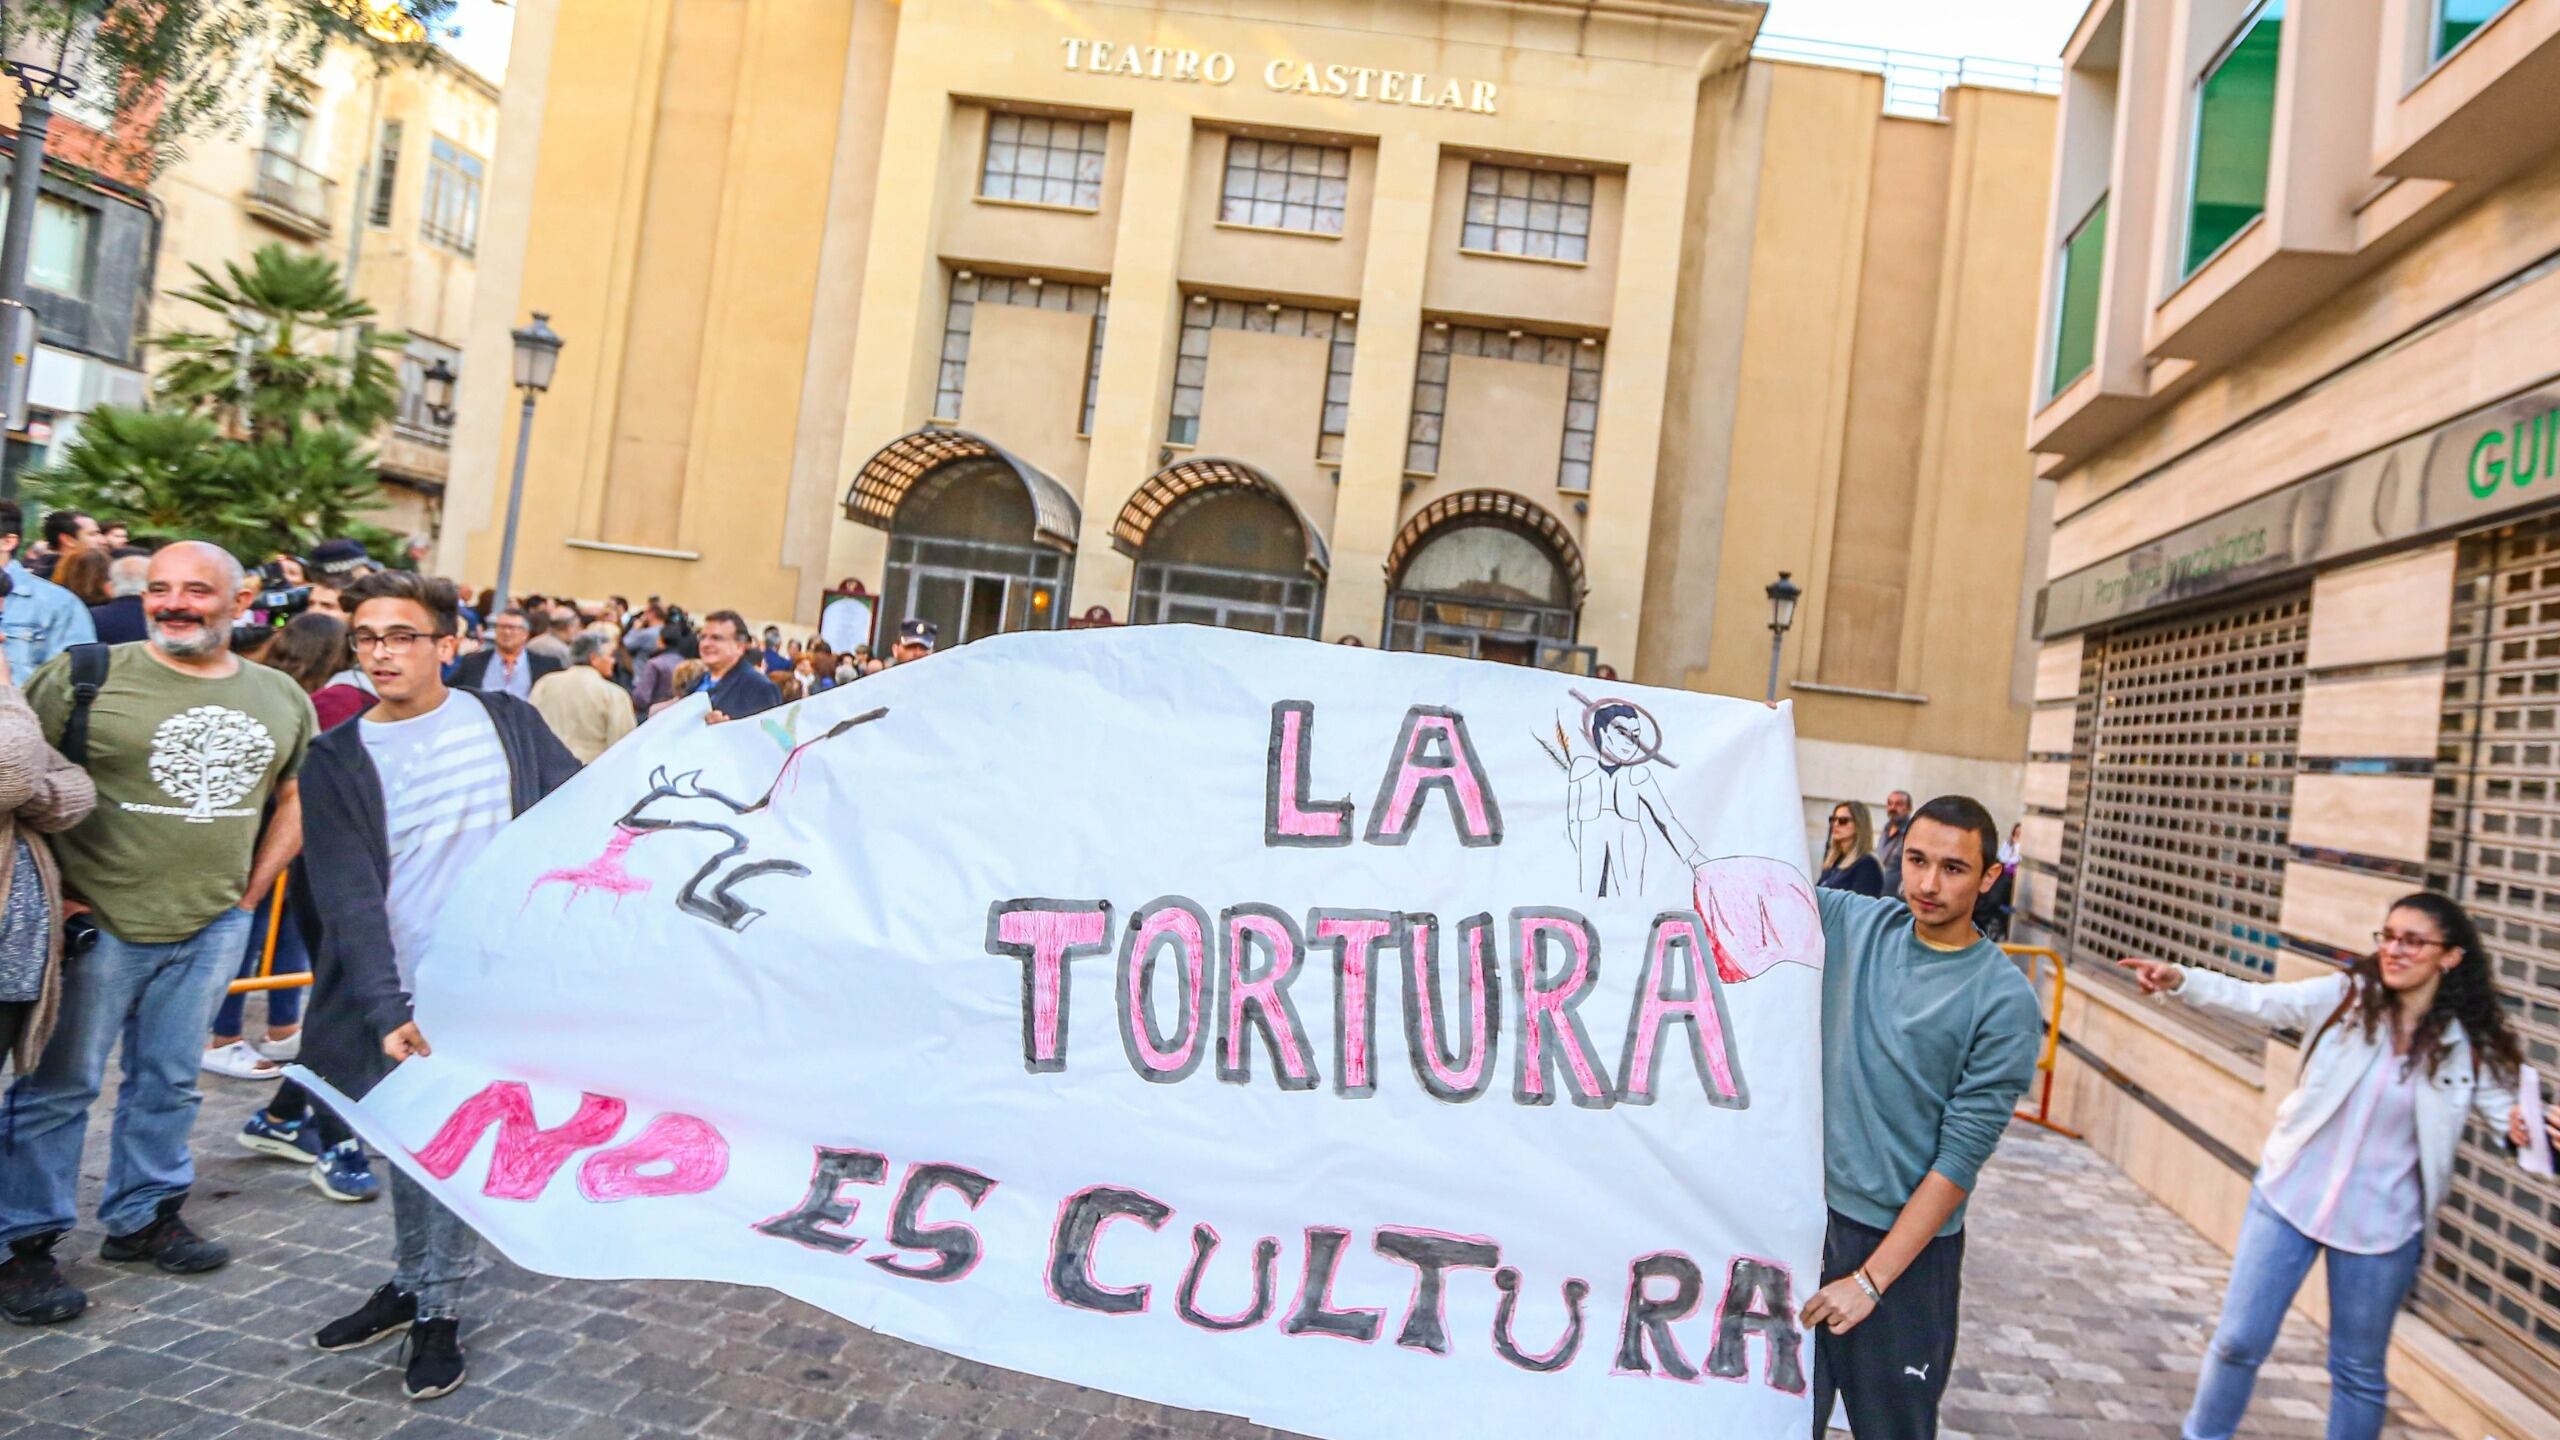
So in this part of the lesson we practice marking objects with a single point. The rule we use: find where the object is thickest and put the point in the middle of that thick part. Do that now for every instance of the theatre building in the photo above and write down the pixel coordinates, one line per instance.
(1536, 333)
(2300, 631)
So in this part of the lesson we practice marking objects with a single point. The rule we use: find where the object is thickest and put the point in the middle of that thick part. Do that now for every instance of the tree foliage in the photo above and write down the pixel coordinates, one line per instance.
(256, 439)
(177, 69)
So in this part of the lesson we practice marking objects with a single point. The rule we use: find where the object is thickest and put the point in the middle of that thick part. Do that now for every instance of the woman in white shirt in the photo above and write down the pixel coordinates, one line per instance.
(2404, 1047)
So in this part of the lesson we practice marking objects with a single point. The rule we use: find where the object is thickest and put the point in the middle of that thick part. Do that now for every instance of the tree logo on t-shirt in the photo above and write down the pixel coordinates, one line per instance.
(207, 758)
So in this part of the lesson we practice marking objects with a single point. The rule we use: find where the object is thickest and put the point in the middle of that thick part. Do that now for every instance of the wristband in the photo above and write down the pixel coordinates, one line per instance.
(1873, 1294)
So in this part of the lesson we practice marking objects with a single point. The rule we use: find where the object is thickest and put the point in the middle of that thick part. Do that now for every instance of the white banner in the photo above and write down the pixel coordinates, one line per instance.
(1368, 1044)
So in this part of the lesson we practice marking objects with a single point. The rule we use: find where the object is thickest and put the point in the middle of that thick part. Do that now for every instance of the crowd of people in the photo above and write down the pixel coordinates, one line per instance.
(287, 767)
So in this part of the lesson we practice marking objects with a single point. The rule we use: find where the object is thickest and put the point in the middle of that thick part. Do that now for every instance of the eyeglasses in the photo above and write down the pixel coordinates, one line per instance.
(393, 642)
(1843, 820)
(2401, 940)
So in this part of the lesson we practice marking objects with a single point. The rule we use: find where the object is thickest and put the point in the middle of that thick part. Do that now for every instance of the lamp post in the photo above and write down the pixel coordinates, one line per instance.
(1783, 594)
(41, 80)
(436, 388)
(537, 355)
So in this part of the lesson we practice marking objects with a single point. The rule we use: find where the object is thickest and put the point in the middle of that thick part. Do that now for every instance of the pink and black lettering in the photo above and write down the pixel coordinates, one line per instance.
(1679, 987)
(1314, 1313)
(1180, 925)
(527, 1156)
(1759, 1299)
(1555, 1049)
(1649, 1317)
(1507, 1311)
(812, 1221)
(1186, 1300)
(1356, 937)
(1255, 998)
(1047, 936)
(1288, 817)
(1079, 1230)
(672, 1155)
(955, 1247)
(1460, 1074)
(1432, 1255)
(1434, 755)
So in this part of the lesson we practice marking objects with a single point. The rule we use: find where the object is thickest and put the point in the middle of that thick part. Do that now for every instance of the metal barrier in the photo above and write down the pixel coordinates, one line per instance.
(2051, 1053)
(267, 978)
(1915, 84)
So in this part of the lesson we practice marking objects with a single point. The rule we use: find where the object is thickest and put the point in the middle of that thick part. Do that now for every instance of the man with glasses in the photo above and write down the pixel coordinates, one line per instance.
(738, 685)
(507, 667)
(399, 804)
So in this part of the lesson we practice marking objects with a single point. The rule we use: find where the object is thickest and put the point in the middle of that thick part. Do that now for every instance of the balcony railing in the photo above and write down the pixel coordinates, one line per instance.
(292, 192)
(1915, 84)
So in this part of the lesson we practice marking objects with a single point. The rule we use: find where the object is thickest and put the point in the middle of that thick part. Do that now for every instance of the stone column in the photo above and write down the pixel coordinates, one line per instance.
(1365, 510)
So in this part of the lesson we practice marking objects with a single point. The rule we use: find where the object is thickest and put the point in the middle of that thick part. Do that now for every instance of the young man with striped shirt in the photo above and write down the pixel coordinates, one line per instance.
(396, 806)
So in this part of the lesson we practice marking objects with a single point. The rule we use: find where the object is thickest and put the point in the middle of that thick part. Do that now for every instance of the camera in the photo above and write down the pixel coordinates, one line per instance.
(279, 599)
(79, 935)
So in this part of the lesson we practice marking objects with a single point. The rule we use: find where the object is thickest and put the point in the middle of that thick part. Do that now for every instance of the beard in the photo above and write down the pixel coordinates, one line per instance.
(212, 636)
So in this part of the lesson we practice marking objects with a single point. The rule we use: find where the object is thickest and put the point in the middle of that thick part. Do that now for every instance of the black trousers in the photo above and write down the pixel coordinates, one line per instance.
(13, 1021)
(1890, 1371)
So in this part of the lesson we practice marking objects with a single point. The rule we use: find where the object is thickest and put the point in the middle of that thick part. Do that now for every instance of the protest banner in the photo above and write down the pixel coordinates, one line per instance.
(1368, 1044)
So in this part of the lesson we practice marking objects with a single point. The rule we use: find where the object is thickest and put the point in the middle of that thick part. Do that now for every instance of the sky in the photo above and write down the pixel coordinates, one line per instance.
(1993, 29)
(485, 27)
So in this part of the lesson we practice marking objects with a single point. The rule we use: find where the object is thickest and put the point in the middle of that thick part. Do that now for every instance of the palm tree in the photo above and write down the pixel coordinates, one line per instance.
(293, 349)
(160, 472)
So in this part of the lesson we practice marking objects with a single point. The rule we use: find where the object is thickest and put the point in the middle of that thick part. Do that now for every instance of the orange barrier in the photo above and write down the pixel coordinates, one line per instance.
(267, 978)
(2045, 1061)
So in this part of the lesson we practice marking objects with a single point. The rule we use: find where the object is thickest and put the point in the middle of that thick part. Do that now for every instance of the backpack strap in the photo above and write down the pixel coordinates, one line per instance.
(88, 674)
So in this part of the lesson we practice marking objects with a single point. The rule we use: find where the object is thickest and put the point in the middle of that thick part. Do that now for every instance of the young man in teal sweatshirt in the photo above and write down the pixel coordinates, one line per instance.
(1929, 1036)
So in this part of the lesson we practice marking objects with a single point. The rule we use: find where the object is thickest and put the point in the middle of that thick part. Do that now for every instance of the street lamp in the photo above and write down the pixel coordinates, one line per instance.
(1783, 594)
(436, 388)
(537, 356)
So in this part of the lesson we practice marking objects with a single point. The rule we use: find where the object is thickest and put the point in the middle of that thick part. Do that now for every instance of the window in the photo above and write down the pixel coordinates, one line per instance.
(2456, 19)
(1512, 210)
(1286, 187)
(288, 124)
(1203, 314)
(2075, 330)
(386, 173)
(421, 357)
(58, 255)
(1580, 359)
(959, 323)
(453, 197)
(2235, 125)
(1046, 162)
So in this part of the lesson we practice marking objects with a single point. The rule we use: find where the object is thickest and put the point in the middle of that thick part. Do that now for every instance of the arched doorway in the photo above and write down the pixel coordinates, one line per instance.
(1220, 543)
(980, 542)
(1488, 575)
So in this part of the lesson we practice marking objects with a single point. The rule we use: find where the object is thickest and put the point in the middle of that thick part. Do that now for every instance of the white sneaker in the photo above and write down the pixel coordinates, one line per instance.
(288, 1048)
(240, 1062)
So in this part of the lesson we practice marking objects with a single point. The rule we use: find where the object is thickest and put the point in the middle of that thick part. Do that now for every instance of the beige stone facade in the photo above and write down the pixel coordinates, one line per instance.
(1548, 336)
(380, 167)
(2294, 393)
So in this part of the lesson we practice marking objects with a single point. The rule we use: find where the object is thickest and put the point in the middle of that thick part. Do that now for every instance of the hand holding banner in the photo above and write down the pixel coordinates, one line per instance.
(1364, 1043)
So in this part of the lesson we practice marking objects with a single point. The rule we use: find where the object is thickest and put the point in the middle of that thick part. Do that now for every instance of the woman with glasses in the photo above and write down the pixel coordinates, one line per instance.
(2405, 1046)
(1848, 860)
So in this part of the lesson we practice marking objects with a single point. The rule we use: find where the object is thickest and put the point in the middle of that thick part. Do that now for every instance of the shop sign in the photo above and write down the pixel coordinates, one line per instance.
(1282, 74)
(2498, 458)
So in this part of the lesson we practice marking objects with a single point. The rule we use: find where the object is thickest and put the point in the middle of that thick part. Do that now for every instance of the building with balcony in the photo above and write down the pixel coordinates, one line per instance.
(2299, 631)
(378, 166)
(1539, 335)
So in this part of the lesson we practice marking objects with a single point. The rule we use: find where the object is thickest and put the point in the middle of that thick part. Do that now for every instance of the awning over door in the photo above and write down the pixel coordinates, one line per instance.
(1171, 485)
(1501, 507)
(884, 480)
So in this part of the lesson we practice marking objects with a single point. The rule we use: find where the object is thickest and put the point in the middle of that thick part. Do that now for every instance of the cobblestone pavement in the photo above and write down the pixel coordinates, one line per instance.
(2086, 1306)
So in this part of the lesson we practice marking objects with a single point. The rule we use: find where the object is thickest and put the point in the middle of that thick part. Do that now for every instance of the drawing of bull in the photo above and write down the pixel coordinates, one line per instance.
(682, 803)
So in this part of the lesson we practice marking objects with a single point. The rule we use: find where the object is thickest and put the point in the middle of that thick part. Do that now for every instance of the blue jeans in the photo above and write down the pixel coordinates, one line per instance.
(284, 1007)
(2365, 1292)
(156, 1000)
(433, 1252)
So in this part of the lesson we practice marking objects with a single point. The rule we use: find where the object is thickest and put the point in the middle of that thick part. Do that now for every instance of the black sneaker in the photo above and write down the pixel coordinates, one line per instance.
(435, 1359)
(386, 1313)
(32, 1290)
(167, 1243)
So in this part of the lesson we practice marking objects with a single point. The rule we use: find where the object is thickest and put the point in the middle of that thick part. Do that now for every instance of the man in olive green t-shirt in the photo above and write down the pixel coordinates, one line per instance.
(187, 744)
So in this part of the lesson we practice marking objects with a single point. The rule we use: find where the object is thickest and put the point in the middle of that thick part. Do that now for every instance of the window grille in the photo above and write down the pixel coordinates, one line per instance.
(1514, 210)
(1282, 186)
(1045, 161)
